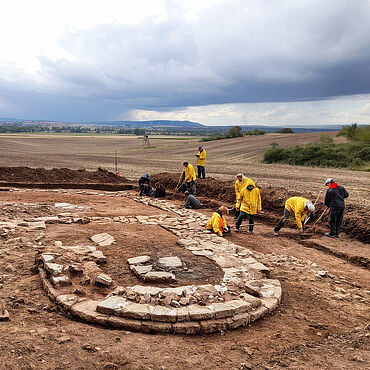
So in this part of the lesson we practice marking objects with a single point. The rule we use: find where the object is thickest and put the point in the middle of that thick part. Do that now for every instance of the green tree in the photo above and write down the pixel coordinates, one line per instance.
(286, 130)
(234, 131)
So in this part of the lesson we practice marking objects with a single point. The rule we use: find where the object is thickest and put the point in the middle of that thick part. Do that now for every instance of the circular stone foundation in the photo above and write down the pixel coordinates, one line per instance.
(75, 278)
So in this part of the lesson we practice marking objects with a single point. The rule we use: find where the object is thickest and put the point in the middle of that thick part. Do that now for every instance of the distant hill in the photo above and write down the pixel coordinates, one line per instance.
(155, 123)
(169, 125)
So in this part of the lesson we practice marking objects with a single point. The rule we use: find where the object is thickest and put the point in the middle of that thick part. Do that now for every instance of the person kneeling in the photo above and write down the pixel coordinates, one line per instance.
(217, 223)
(248, 204)
(192, 202)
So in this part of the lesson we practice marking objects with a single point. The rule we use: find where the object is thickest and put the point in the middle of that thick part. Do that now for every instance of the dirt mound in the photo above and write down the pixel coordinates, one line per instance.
(57, 175)
(355, 222)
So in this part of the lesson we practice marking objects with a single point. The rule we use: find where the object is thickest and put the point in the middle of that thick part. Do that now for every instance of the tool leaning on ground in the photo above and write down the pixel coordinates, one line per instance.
(180, 182)
(308, 217)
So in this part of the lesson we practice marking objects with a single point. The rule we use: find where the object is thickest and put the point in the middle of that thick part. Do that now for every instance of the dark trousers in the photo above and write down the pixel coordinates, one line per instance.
(242, 216)
(191, 188)
(282, 221)
(201, 172)
(336, 218)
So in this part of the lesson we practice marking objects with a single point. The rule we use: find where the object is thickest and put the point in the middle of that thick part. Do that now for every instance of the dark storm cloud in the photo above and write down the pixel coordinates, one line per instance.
(237, 51)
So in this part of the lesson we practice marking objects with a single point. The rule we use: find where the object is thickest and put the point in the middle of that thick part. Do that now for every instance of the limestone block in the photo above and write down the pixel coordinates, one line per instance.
(257, 313)
(98, 257)
(141, 269)
(222, 310)
(112, 305)
(143, 289)
(123, 323)
(258, 266)
(47, 258)
(103, 239)
(159, 276)
(190, 327)
(213, 326)
(240, 306)
(170, 262)
(197, 312)
(103, 279)
(138, 260)
(66, 300)
(136, 311)
(242, 319)
(60, 281)
(53, 268)
(182, 314)
(161, 313)
(270, 303)
(156, 327)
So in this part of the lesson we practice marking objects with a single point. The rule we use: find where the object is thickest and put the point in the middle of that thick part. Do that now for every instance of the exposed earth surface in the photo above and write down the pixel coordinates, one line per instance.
(321, 322)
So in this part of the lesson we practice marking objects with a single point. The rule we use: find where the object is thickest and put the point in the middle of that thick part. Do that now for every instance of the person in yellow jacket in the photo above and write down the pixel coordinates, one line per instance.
(299, 207)
(188, 178)
(218, 223)
(241, 183)
(248, 204)
(201, 162)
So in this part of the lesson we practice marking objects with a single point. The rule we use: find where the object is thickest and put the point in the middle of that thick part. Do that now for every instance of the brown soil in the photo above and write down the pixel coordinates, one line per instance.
(57, 175)
(319, 325)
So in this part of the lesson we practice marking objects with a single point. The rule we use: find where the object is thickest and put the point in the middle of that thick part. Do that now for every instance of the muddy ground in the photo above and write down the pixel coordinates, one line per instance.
(320, 324)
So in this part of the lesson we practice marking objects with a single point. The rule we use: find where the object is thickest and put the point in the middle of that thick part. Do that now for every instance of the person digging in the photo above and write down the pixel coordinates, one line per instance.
(187, 179)
(334, 200)
(299, 207)
(248, 204)
(218, 223)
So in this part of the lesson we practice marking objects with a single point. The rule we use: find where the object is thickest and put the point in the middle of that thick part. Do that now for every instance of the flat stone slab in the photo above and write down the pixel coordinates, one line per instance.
(142, 290)
(80, 249)
(160, 313)
(170, 262)
(112, 305)
(138, 260)
(103, 279)
(98, 257)
(103, 239)
(140, 269)
(47, 258)
(60, 281)
(137, 311)
(53, 268)
(159, 276)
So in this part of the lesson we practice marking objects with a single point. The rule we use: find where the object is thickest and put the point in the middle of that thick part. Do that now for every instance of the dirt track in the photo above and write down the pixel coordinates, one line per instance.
(320, 323)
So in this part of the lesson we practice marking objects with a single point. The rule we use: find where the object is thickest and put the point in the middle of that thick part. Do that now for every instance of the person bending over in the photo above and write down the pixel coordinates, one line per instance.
(299, 207)
(192, 202)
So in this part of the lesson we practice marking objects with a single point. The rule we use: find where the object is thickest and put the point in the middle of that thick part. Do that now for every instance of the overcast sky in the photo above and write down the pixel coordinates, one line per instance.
(272, 62)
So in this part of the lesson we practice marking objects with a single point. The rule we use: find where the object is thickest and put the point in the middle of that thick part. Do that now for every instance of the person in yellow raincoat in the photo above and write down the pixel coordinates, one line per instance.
(188, 179)
(218, 223)
(299, 207)
(248, 204)
(241, 183)
(201, 162)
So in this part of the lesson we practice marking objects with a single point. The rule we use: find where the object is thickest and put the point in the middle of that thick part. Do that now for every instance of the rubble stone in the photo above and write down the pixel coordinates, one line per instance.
(103, 239)
(103, 279)
(159, 277)
(138, 260)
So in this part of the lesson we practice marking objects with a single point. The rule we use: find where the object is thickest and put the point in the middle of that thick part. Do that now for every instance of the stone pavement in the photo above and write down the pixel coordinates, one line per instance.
(244, 294)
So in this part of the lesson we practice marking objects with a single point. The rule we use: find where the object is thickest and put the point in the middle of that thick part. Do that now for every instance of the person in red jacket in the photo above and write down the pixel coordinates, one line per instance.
(334, 199)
